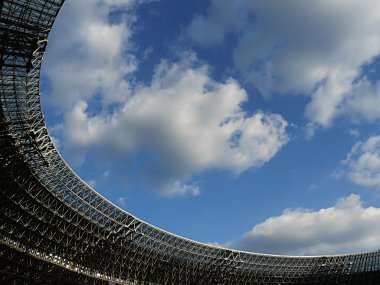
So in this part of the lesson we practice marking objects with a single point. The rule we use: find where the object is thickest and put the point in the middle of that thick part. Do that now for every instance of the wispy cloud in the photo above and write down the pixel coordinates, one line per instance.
(122, 201)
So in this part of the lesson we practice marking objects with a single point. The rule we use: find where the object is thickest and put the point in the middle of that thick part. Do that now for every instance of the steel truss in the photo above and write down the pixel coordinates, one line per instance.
(54, 228)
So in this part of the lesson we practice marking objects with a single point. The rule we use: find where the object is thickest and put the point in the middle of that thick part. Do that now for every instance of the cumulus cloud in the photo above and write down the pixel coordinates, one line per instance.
(183, 122)
(363, 162)
(187, 121)
(346, 227)
(90, 53)
(315, 48)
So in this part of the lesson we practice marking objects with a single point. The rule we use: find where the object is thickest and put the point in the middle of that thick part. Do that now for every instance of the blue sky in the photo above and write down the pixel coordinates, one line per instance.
(248, 124)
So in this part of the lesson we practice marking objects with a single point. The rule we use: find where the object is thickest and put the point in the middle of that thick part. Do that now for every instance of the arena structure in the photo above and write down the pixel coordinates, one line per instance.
(55, 229)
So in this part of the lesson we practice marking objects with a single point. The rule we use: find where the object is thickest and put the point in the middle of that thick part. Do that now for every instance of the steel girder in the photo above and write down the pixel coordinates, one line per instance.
(55, 228)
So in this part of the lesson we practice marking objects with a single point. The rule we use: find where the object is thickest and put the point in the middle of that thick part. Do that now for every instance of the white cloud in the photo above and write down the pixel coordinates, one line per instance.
(122, 201)
(344, 228)
(364, 163)
(186, 120)
(316, 48)
(309, 130)
(88, 54)
(92, 182)
(221, 19)
(227, 244)
(354, 132)
(363, 101)
(177, 188)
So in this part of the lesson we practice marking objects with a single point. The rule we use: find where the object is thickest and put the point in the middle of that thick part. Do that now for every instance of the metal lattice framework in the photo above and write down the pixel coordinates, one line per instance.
(55, 228)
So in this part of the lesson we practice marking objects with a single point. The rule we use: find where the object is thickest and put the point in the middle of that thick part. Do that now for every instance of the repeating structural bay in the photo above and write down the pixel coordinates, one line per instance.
(55, 229)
